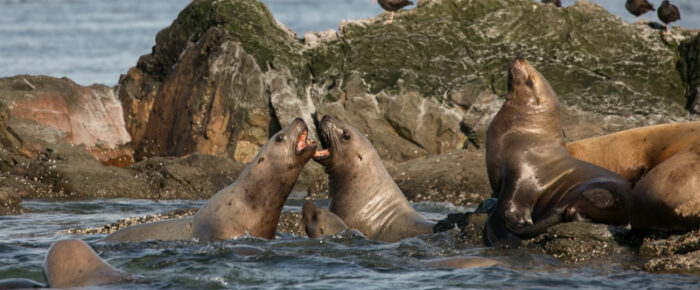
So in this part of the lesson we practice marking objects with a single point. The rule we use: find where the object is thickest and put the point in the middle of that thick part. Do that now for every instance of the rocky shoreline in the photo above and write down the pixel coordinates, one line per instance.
(225, 76)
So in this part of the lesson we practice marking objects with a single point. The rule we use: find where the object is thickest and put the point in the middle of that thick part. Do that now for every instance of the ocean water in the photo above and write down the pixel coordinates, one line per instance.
(94, 41)
(289, 261)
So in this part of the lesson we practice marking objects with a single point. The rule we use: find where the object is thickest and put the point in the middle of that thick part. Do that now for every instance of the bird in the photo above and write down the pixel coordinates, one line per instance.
(555, 2)
(393, 6)
(668, 13)
(638, 7)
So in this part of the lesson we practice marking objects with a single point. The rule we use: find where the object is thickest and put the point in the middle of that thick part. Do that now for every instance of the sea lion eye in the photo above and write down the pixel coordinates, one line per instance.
(529, 82)
(346, 136)
(280, 138)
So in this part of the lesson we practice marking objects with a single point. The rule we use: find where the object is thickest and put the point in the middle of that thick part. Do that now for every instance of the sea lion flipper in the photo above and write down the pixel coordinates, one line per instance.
(600, 197)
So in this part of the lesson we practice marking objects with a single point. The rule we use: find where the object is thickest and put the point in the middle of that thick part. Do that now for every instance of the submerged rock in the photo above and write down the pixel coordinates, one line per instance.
(676, 253)
(580, 242)
(10, 201)
(289, 222)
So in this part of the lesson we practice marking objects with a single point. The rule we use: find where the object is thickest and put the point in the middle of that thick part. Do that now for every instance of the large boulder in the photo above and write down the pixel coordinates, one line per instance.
(36, 111)
(225, 75)
(205, 88)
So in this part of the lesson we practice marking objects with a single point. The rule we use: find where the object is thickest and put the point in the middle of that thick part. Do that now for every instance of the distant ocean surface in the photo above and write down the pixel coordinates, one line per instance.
(94, 41)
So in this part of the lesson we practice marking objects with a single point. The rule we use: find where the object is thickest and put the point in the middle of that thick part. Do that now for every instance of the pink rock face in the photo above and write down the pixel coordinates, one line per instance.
(88, 116)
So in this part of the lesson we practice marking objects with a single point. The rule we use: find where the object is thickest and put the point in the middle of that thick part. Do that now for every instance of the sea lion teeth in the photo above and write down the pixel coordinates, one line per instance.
(301, 141)
(322, 153)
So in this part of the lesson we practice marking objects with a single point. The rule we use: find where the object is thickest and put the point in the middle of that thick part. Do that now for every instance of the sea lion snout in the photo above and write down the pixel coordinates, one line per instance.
(518, 74)
(328, 136)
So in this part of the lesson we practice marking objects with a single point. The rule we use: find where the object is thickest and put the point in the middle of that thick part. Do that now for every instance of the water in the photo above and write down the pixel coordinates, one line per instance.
(94, 41)
(296, 262)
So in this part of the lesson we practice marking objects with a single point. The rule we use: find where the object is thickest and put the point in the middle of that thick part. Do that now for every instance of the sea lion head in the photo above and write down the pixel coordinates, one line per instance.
(343, 144)
(287, 149)
(527, 87)
(319, 222)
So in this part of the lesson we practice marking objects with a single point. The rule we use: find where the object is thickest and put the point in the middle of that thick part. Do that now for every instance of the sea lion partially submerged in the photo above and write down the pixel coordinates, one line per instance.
(361, 191)
(537, 182)
(319, 222)
(252, 204)
(72, 263)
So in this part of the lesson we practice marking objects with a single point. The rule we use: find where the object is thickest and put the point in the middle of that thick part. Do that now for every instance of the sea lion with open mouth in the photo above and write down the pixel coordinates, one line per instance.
(361, 191)
(252, 204)
(537, 182)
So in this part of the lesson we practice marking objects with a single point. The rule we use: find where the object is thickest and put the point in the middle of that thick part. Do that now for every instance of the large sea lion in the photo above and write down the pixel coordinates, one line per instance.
(634, 152)
(361, 191)
(72, 263)
(537, 182)
(69, 264)
(661, 162)
(668, 196)
(252, 204)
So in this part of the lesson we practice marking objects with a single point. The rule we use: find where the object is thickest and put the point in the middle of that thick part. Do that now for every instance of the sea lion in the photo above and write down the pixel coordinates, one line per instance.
(319, 222)
(252, 204)
(537, 182)
(461, 262)
(634, 152)
(72, 263)
(361, 191)
(19, 283)
(668, 196)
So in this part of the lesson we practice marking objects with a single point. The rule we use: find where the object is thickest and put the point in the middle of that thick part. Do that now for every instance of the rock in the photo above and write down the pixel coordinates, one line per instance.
(689, 262)
(579, 242)
(458, 177)
(10, 202)
(674, 245)
(289, 222)
(204, 87)
(36, 111)
(225, 75)
(361, 109)
(194, 176)
(690, 71)
(70, 172)
(127, 222)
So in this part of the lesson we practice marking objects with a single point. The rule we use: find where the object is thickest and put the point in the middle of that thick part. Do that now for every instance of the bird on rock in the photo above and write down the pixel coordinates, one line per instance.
(638, 7)
(555, 2)
(393, 6)
(668, 13)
